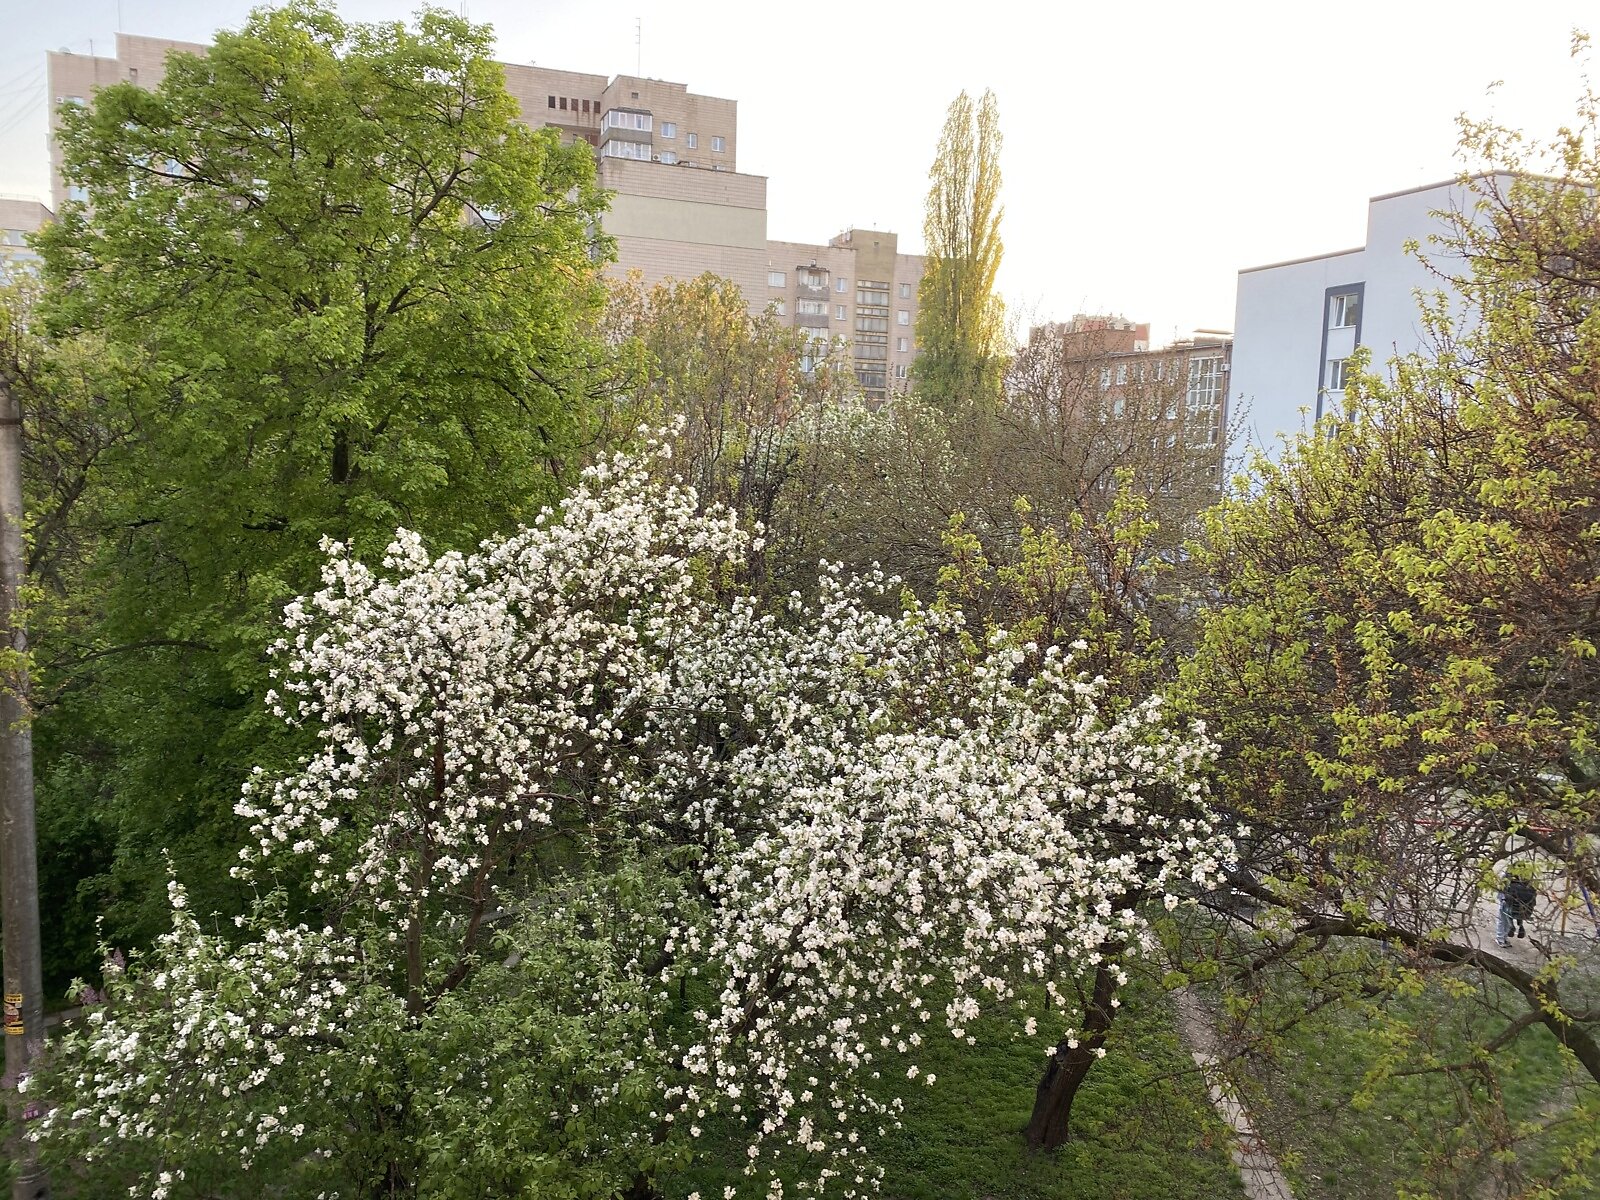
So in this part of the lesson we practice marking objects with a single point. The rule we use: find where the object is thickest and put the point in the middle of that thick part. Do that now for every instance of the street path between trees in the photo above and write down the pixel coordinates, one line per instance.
(1258, 1170)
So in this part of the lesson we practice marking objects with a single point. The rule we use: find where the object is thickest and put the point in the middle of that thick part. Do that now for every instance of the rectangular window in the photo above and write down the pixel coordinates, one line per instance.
(1336, 374)
(563, 104)
(692, 140)
(777, 278)
(903, 317)
(1122, 374)
(1105, 378)
(872, 325)
(717, 145)
(669, 129)
(1346, 309)
(667, 156)
(585, 106)
(905, 291)
(811, 308)
(552, 101)
(900, 371)
(811, 277)
(618, 118)
(902, 344)
(781, 308)
(620, 149)
(838, 312)
(1205, 386)
(841, 285)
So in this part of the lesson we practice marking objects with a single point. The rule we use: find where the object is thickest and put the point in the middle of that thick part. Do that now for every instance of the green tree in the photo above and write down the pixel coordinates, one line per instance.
(960, 319)
(349, 291)
(1403, 666)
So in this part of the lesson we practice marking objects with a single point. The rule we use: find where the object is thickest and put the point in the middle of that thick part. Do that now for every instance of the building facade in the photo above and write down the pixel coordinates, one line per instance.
(1297, 323)
(1162, 412)
(19, 216)
(680, 206)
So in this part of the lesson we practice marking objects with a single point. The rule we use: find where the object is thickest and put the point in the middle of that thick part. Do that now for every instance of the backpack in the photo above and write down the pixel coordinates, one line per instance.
(1519, 898)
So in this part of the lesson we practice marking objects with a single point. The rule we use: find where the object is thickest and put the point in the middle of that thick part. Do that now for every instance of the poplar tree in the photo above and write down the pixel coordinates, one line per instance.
(960, 319)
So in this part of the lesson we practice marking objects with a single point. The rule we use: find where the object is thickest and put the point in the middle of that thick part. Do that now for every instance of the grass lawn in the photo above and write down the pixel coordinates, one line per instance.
(1142, 1128)
(1421, 1134)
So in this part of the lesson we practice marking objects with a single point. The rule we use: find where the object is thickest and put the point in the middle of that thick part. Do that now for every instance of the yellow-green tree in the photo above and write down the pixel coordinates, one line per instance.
(1402, 668)
(960, 319)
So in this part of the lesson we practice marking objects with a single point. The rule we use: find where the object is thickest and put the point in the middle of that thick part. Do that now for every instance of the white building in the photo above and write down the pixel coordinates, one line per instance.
(1296, 323)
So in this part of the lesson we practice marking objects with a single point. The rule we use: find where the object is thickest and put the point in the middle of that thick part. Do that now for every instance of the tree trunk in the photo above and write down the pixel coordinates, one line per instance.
(1069, 1065)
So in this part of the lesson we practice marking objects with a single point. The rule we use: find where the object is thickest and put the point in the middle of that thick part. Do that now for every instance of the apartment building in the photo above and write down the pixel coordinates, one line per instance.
(1184, 385)
(19, 216)
(1297, 323)
(680, 207)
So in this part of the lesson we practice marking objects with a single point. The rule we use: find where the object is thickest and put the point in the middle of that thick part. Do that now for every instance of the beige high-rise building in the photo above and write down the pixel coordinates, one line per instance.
(19, 216)
(680, 207)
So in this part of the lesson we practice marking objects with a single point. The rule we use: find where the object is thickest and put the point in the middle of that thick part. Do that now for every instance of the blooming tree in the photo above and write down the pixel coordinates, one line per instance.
(604, 858)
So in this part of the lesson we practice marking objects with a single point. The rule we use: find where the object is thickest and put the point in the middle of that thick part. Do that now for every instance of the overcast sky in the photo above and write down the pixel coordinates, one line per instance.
(1150, 151)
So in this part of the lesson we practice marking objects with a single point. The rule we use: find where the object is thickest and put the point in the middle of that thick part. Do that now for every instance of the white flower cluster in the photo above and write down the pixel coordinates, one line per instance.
(889, 821)
(867, 823)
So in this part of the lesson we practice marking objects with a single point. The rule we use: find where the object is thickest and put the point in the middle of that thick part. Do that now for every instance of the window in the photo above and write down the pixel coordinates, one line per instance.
(667, 156)
(619, 149)
(621, 118)
(563, 104)
(779, 307)
(669, 129)
(1336, 374)
(905, 291)
(872, 325)
(900, 371)
(717, 145)
(692, 140)
(1205, 392)
(1346, 310)
(872, 352)
(903, 317)
(838, 312)
(552, 101)
(78, 193)
(811, 308)
(878, 299)
(585, 106)
(811, 277)
(777, 279)
(1105, 378)
(1122, 374)
(841, 285)
(902, 344)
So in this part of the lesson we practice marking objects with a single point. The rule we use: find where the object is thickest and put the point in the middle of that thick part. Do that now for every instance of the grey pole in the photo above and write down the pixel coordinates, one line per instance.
(19, 868)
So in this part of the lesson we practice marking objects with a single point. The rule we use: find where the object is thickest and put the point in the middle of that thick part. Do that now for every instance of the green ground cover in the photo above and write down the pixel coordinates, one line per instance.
(1142, 1128)
(1338, 1135)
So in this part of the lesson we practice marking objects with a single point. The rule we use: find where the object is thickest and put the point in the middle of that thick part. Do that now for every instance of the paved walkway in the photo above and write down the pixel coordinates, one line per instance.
(1257, 1168)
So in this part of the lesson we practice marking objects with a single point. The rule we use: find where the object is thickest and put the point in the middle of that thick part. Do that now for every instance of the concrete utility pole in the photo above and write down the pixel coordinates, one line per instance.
(19, 868)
